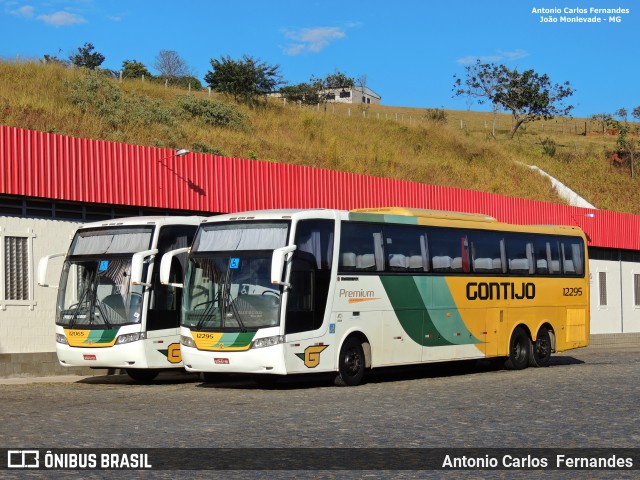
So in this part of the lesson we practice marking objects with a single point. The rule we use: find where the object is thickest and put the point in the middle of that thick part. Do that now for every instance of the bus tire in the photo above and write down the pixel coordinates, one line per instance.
(142, 375)
(519, 348)
(540, 354)
(351, 363)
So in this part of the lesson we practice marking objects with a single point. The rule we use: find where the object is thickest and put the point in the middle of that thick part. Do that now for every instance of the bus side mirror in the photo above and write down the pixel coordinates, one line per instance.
(165, 267)
(43, 264)
(137, 265)
(277, 264)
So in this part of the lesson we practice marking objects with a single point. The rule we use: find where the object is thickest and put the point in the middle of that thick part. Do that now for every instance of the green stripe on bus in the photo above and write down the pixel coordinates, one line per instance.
(411, 311)
(237, 339)
(427, 325)
(382, 218)
(446, 316)
(102, 336)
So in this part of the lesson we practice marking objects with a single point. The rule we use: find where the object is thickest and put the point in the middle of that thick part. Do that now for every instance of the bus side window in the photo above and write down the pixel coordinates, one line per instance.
(406, 249)
(572, 258)
(520, 253)
(361, 248)
(486, 252)
(547, 256)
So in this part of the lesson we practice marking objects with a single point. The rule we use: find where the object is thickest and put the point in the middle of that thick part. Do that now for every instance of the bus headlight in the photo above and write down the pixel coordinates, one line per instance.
(131, 337)
(267, 341)
(187, 341)
(60, 338)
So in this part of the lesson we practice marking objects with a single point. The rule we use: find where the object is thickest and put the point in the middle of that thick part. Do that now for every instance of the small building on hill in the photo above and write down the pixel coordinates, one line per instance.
(353, 95)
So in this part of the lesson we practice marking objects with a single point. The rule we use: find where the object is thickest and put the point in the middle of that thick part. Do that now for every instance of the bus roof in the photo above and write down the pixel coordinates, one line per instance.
(145, 220)
(417, 212)
(400, 215)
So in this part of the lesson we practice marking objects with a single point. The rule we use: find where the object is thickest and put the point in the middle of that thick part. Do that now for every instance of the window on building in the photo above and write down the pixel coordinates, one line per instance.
(16, 268)
(636, 289)
(602, 286)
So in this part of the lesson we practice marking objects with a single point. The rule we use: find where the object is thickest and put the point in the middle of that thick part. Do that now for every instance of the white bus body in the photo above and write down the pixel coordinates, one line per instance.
(112, 311)
(274, 293)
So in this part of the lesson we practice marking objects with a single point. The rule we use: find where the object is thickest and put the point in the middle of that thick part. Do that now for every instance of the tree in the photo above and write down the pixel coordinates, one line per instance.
(86, 57)
(319, 90)
(304, 93)
(134, 69)
(528, 95)
(53, 59)
(170, 64)
(245, 80)
(327, 86)
(622, 113)
(603, 120)
(636, 112)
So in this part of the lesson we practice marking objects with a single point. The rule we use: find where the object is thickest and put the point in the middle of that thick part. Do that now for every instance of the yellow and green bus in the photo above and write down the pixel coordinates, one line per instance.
(281, 292)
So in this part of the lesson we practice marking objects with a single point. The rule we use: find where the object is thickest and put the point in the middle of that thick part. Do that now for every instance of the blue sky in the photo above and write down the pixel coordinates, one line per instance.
(409, 50)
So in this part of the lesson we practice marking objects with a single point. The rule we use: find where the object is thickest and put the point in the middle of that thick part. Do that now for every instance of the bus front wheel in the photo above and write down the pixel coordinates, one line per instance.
(540, 355)
(519, 348)
(351, 363)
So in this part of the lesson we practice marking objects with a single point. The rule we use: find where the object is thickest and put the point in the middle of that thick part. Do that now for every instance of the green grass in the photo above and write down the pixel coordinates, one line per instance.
(386, 141)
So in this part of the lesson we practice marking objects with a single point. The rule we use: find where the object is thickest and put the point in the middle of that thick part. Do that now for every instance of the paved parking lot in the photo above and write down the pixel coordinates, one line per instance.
(586, 398)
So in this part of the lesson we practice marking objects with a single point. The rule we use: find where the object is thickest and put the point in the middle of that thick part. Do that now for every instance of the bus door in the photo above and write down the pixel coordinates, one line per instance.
(308, 346)
(162, 319)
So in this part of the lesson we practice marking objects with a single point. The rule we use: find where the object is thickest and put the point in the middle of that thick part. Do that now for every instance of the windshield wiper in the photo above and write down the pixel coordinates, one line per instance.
(103, 314)
(75, 311)
(227, 299)
(237, 316)
(203, 317)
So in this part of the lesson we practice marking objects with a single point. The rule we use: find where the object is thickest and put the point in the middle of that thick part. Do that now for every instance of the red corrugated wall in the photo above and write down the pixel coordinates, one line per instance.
(67, 168)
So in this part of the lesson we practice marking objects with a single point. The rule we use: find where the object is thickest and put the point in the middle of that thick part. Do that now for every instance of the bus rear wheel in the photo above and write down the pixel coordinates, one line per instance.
(351, 363)
(540, 354)
(519, 348)
(142, 375)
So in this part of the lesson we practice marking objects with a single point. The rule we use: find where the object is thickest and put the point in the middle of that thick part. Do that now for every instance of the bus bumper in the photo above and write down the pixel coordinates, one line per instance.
(140, 354)
(267, 360)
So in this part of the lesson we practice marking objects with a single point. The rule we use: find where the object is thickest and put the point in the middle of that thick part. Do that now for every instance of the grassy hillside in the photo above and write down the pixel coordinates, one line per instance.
(383, 141)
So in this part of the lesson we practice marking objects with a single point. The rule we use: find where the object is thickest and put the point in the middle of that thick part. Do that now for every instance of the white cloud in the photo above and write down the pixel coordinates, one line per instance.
(500, 57)
(312, 40)
(62, 19)
(23, 12)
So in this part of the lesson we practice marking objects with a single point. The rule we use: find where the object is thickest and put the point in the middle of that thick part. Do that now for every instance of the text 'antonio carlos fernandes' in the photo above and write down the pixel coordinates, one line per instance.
(533, 462)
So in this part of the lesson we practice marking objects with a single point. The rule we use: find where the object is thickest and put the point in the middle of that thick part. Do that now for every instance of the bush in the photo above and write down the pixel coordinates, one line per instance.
(212, 113)
(549, 146)
(437, 115)
(96, 93)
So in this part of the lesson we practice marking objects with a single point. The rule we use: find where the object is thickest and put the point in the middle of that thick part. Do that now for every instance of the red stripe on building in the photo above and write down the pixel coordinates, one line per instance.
(60, 167)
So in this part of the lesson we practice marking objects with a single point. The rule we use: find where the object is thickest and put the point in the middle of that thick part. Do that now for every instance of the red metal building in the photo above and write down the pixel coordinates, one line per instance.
(52, 166)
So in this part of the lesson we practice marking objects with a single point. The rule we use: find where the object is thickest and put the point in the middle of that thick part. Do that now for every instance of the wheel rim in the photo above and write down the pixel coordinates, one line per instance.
(352, 362)
(519, 351)
(543, 347)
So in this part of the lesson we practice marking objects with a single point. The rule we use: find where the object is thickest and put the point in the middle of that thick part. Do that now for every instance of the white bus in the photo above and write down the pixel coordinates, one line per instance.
(112, 311)
(286, 292)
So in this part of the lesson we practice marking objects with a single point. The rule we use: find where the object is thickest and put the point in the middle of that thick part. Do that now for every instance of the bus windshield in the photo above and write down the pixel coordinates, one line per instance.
(95, 288)
(230, 292)
(97, 293)
(228, 281)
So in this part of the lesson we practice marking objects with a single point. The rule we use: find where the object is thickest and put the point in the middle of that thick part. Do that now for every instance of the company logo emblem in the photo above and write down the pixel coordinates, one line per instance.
(311, 355)
(357, 296)
(23, 459)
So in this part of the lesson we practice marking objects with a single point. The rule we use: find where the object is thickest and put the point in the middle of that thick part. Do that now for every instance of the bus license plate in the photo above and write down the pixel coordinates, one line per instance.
(89, 357)
(221, 361)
